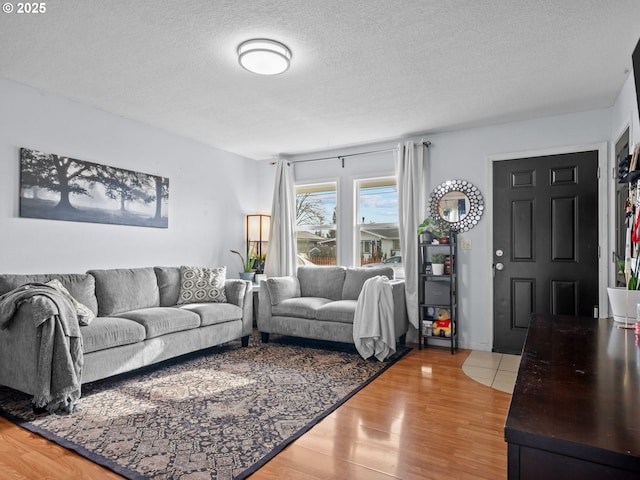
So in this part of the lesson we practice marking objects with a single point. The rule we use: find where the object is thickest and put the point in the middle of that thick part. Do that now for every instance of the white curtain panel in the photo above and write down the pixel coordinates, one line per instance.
(281, 250)
(411, 174)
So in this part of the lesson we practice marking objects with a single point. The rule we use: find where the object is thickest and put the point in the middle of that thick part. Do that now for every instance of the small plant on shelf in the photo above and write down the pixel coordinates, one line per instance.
(438, 258)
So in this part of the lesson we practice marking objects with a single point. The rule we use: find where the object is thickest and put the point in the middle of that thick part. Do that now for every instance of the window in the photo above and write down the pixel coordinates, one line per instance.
(377, 224)
(316, 232)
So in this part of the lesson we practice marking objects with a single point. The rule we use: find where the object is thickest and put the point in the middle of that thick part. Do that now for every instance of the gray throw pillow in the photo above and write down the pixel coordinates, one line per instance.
(202, 285)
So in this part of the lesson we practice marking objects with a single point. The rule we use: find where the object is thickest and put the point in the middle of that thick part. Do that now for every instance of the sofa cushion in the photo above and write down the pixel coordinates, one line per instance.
(339, 311)
(162, 320)
(81, 286)
(84, 313)
(324, 282)
(201, 284)
(213, 313)
(168, 285)
(281, 288)
(304, 307)
(123, 289)
(355, 278)
(110, 332)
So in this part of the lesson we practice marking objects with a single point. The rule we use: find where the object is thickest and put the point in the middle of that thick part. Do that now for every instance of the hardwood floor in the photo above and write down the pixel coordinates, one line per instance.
(422, 419)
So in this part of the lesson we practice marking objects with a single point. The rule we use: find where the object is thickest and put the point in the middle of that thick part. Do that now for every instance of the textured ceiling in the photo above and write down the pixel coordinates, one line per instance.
(362, 71)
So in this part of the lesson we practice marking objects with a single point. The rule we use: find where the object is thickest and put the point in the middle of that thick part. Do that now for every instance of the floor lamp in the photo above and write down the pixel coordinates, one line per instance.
(258, 226)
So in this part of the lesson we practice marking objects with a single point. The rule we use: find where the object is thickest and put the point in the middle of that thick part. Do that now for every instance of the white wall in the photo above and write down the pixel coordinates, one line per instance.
(464, 154)
(210, 191)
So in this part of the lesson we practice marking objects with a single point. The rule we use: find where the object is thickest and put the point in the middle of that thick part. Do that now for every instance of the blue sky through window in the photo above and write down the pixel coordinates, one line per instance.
(379, 204)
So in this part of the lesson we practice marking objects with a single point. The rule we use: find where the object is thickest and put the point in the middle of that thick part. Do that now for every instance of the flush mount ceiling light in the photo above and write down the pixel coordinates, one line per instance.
(265, 57)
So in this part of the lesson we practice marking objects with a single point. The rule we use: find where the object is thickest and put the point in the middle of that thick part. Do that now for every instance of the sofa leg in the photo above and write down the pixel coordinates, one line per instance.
(265, 337)
(403, 339)
(245, 341)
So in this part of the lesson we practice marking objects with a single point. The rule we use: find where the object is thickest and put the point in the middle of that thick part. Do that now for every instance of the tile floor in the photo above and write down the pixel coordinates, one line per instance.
(495, 370)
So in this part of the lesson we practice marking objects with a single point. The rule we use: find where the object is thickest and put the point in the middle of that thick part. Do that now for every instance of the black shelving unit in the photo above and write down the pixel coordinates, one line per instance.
(438, 292)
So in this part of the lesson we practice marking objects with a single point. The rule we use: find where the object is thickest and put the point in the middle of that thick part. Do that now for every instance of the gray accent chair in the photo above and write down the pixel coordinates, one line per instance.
(138, 322)
(320, 302)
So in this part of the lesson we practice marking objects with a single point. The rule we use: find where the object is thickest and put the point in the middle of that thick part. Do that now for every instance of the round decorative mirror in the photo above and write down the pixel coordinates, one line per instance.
(456, 205)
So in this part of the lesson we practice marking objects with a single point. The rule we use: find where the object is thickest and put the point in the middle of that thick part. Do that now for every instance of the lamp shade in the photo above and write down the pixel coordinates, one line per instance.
(258, 227)
(264, 57)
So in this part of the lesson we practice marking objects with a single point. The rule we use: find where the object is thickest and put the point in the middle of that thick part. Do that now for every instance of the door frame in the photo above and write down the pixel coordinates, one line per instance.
(612, 185)
(603, 210)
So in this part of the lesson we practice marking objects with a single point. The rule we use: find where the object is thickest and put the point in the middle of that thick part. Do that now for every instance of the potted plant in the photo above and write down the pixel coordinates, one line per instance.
(624, 300)
(247, 264)
(259, 262)
(437, 263)
(429, 229)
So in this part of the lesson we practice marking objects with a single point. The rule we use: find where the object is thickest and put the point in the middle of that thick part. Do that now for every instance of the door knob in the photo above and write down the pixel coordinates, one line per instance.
(499, 253)
(499, 266)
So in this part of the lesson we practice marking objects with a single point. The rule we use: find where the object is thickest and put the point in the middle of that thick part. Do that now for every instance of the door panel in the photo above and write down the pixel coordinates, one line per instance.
(546, 223)
(522, 230)
(523, 294)
(564, 298)
(563, 229)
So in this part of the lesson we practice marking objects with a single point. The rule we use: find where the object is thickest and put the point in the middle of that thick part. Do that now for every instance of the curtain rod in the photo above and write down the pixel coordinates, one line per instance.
(342, 157)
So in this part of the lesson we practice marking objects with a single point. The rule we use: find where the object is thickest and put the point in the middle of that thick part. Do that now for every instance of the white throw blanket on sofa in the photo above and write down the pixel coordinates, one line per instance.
(373, 323)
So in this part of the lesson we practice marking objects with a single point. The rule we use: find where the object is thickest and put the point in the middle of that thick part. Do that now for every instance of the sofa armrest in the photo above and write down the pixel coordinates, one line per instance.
(400, 316)
(240, 293)
(235, 291)
(264, 308)
(19, 351)
(273, 291)
(282, 288)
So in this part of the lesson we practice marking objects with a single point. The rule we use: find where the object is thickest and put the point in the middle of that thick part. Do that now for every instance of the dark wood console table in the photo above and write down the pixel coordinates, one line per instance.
(575, 411)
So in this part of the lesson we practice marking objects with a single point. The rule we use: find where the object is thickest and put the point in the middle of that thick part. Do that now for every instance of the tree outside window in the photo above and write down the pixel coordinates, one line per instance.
(316, 220)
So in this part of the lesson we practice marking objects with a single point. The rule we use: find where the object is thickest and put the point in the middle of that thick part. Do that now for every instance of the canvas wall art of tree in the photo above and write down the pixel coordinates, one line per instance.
(56, 187)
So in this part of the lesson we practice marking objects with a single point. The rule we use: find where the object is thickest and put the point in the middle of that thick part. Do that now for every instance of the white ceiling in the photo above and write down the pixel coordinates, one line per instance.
(362, 70)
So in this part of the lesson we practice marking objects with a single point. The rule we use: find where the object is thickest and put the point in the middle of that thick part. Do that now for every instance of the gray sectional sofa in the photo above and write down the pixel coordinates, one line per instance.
(320, 302)
(138, 322)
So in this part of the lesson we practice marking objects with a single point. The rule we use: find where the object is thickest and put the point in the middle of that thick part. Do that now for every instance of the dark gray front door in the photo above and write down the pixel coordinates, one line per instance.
(545, 241)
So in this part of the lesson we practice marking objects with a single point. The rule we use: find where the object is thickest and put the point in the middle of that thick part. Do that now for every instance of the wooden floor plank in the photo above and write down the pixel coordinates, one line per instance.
(421, 419)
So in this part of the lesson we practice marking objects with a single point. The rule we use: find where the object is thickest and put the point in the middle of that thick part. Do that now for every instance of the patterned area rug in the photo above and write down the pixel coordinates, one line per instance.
(215, 415)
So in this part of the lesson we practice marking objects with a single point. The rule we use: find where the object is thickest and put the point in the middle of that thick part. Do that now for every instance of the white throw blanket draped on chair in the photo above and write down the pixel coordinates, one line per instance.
(374, 330)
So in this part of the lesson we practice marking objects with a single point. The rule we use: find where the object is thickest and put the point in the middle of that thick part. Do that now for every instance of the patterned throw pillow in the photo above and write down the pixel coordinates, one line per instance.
(202, 285)
(85, 315)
